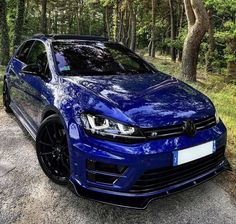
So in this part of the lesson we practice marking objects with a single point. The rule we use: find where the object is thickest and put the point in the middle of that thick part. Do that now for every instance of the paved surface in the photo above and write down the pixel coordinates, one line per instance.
(27, 196)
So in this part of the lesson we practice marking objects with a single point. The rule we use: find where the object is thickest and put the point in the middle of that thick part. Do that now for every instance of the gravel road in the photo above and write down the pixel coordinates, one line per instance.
(27, 196)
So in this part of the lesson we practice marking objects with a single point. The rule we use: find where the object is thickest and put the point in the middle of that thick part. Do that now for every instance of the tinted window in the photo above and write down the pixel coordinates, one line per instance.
(96, 58)
(23, 51)
(38, 55)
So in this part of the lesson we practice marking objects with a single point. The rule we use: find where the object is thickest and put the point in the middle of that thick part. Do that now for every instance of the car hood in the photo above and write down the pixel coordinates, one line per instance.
(150, 100)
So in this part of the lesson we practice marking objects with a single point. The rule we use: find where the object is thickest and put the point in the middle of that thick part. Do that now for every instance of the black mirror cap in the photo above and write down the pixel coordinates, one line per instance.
(32, 69)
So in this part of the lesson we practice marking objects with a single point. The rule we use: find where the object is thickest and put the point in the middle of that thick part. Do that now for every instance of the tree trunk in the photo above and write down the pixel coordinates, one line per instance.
(128, 28)
(19, 21)
(231, 66)
(122, 29)
(133, 28)
(172, 31)
(107, 21)
(197, 27)
(115, 20)
(49, 22)
(43, 19)
(180, 51)
(4, 29)
(211, 44)
(79, 15)
(62, 28)
(153, 35)
(56, 22)
(119, 34)
(150, 48)
(70, 23)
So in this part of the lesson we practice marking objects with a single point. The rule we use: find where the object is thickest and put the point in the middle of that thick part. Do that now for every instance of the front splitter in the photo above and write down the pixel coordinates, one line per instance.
(141, 202)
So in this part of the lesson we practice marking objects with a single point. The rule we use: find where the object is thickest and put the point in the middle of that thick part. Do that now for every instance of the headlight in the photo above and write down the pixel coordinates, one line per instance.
(217, 117)
(106, 128)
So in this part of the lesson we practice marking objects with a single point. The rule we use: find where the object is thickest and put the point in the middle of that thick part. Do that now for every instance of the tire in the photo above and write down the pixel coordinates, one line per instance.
(52, 150)
(6, 98)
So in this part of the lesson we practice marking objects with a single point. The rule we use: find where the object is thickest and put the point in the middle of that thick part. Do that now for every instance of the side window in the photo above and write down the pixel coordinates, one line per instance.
(38, 55)
(23, 51)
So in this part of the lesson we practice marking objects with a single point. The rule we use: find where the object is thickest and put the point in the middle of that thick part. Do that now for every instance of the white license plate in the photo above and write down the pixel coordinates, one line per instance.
(193, 153)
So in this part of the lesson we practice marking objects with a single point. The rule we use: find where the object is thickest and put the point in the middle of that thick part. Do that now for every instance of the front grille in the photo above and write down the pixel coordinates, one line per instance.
(103, 172)
(175, 130)
(161, 178)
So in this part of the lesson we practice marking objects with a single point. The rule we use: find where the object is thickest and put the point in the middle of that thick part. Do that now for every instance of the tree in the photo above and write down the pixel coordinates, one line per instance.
(4, 30)
(153, 33)
(224, 16)
(19, 22)
(172, 30)
(80, 8)
(180, 32)
(107, 21)
(132, 27)
(197, 27)
(43, 19)
(211, 43)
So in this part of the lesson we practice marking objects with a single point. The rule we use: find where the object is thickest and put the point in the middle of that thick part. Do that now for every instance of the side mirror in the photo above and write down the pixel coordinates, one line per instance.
(32, 69)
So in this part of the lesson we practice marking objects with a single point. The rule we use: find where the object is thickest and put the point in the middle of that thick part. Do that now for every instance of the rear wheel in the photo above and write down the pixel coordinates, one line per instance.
(52, 150)
(6, 98)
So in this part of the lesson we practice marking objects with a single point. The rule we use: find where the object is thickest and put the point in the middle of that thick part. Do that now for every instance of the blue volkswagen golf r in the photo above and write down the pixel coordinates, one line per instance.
(108, 124)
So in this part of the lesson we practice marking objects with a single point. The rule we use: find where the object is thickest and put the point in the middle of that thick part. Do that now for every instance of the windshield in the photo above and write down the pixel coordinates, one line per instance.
(77, 58)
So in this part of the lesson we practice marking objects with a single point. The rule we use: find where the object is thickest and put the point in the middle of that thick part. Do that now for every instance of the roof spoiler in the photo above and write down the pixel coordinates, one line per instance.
(70, 37)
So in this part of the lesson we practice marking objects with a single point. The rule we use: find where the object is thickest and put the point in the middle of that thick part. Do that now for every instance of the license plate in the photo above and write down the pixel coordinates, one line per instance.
(193, 153)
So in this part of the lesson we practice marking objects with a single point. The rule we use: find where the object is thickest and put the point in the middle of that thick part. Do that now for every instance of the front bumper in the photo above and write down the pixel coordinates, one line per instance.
(137, 162)
(138, 201)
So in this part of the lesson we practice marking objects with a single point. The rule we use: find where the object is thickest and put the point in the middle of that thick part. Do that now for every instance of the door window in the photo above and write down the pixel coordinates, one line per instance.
(38, 56)
(23, 51)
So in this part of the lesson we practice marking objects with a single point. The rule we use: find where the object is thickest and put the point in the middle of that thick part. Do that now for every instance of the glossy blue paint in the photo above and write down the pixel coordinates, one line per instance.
(144, 101)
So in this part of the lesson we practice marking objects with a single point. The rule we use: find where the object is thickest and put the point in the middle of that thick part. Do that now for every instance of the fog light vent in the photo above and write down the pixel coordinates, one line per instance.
(103, 172)
(105, 167)
(95, 177)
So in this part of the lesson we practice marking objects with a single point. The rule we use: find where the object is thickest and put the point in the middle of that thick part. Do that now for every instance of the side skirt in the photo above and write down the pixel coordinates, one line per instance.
(21, 117)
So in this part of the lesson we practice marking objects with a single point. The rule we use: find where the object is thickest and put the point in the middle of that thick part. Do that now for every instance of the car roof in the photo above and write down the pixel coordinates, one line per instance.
(69, 37)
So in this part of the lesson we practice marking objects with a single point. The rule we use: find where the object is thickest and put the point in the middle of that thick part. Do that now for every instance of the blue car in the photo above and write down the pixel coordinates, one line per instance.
(108, 124)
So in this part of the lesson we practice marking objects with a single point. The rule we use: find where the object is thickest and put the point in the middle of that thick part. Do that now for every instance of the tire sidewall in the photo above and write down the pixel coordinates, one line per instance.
(51, 118)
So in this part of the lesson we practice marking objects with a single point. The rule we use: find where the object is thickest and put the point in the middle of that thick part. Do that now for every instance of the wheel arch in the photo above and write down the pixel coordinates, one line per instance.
(50, 110)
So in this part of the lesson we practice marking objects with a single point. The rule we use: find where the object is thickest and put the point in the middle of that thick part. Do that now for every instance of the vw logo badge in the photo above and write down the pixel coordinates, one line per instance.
(189, 128)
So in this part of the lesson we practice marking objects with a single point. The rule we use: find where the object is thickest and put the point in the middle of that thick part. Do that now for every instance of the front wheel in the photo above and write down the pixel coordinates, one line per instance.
(52, 150)
(6, 97)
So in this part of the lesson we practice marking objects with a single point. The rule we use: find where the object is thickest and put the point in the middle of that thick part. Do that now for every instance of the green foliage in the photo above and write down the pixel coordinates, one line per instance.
(223, 7)
(64, 16)
(225, 22)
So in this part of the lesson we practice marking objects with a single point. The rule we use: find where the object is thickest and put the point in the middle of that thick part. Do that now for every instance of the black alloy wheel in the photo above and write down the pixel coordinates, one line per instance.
(52, 150)
(6, 98)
